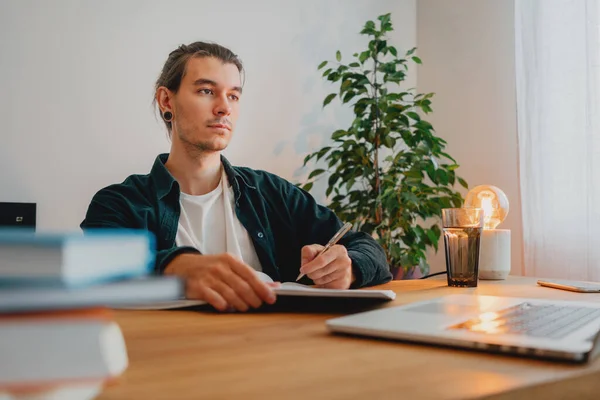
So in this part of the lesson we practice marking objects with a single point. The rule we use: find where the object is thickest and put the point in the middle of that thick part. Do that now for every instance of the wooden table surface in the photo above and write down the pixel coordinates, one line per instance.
(203, 355)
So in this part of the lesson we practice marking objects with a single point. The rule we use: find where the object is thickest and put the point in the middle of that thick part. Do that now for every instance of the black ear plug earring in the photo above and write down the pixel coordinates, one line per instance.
(168, 116)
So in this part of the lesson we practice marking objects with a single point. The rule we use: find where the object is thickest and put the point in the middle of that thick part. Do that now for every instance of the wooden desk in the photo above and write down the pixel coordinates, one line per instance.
(194, 355)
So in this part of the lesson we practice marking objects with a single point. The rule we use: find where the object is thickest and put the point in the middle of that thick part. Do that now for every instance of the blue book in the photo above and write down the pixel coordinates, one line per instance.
(74, 259)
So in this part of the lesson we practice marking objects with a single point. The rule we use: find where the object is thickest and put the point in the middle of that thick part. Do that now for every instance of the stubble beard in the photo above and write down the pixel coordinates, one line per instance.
(205, 146)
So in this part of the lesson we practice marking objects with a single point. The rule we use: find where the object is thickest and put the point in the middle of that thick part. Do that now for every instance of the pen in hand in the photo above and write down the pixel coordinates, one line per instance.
(332, 242)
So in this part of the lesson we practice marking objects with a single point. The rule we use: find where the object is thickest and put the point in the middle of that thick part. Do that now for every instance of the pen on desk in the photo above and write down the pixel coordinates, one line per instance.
(332, 242)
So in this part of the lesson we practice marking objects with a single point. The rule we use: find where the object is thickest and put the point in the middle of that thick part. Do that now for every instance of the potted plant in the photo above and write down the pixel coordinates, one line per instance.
(387, 172)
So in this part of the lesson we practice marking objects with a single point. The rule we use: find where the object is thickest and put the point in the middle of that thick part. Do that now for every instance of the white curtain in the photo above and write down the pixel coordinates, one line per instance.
(558, 105)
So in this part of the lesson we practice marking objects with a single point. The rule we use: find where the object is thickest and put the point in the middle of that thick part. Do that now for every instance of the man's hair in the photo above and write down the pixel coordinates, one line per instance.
(175, 67)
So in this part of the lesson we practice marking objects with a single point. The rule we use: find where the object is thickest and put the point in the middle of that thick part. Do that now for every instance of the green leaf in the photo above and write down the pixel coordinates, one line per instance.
(396, 96)
(448, 156)
(338, 134)
(363, 56)
(442, 176)
(329, 98)
(417, 60)
(334, 76)
(457, 201)
(380, 45)
(393, 51)
(413, 174)
(316, 172)
(369, 28)
(451, 178)
(354, 65)
(307, 186)
(388, 142)
(333, 161)
(411, 51)
(329, 190)
(338, 56)
(419, 232)
(387, 68)
(322, 152)
(410, 197)
(324, 63)
(396, 76)
(423, 125)
(350, 183)
(385, 18)
(463, 183)
(308, 157)
(348, 97)
(414, 115)
(333, 179)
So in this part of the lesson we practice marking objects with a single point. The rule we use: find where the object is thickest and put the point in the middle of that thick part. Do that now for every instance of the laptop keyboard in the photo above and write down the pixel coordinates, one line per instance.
(547, 321)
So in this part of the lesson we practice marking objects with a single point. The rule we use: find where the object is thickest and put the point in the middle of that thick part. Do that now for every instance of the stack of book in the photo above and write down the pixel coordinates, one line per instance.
(58, 338)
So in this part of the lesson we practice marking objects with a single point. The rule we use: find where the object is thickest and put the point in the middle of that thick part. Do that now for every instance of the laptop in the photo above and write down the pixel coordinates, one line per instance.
(553, 330)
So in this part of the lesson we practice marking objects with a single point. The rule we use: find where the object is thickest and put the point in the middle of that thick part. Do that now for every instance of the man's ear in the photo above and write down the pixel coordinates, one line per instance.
(164, 99)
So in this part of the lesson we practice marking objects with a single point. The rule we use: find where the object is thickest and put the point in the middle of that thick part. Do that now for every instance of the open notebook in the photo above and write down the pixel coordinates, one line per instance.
(286, 289)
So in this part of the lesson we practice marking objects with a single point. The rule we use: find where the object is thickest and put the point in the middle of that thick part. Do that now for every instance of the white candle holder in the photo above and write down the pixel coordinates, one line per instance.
(494, 254)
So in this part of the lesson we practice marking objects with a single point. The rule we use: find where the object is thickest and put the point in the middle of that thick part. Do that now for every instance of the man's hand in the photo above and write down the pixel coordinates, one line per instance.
(221, 280)
(332, 269)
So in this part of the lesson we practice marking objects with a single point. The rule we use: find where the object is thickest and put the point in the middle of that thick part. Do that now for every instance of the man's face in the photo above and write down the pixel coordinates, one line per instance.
(207, 104)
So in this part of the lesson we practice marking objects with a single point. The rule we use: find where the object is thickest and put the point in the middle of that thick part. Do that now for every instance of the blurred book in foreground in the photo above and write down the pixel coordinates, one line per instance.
(74, 391)
(130, 292)
(53, 351)
(74, 259)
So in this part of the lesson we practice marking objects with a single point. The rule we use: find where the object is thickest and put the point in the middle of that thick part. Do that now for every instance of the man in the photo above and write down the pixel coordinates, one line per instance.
(217, 224)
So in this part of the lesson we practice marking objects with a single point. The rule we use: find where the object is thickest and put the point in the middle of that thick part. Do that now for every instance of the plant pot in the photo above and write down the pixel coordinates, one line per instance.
(407, 273)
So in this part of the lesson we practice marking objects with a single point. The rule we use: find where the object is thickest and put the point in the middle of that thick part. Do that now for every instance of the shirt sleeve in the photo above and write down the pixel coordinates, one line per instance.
(316, 224)
(111, 209)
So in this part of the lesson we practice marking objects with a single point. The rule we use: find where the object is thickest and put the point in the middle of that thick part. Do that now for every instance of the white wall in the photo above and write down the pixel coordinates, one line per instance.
(77, 83)
(77, 80)
(467, 47)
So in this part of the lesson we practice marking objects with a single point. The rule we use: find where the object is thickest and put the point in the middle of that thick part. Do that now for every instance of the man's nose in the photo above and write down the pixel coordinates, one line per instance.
(222, 108)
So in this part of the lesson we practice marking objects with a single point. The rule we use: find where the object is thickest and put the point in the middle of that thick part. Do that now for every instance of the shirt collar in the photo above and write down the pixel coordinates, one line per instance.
(165, 182)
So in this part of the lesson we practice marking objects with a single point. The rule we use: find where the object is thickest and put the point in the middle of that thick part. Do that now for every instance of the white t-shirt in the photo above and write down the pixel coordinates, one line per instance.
(208, 223)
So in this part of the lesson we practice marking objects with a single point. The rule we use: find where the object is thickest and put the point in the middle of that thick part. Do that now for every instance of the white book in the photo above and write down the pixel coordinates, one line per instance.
(49, 349)
(286, 289)
(74, 259)
(71, 391)
(77, 391)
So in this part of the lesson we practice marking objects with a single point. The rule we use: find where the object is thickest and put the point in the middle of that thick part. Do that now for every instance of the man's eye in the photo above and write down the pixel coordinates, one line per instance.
(234, 97)
(205, 91)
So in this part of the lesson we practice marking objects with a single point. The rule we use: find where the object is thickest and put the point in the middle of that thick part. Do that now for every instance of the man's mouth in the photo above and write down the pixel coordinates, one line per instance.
(220, 126)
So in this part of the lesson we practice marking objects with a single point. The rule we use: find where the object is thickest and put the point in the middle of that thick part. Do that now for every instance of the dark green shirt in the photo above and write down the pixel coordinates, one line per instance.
(279, 217)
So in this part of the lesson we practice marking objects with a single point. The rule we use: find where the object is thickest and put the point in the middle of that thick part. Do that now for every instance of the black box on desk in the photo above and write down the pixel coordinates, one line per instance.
(17, 215)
